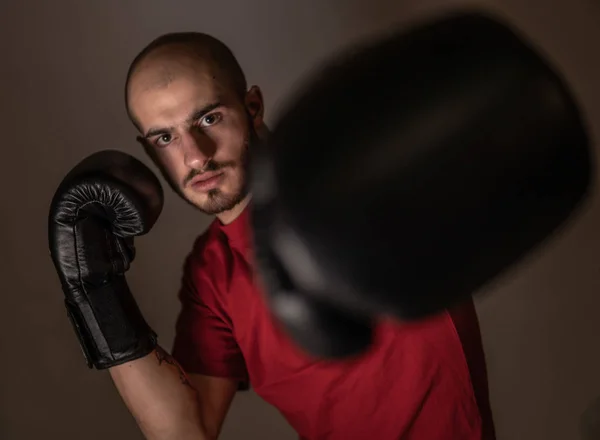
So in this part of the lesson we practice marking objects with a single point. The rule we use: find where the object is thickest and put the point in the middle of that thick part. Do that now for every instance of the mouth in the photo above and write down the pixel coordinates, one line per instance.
(206, 181)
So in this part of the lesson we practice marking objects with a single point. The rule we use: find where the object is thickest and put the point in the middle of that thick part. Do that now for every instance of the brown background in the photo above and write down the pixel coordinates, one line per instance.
(61, 78)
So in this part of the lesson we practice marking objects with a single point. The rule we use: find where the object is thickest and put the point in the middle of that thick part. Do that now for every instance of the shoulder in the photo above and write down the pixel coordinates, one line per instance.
(206, 247)
(207, 272)
(208, 260)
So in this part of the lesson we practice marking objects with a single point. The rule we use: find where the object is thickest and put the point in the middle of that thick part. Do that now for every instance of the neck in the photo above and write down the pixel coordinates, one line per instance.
(229, 216)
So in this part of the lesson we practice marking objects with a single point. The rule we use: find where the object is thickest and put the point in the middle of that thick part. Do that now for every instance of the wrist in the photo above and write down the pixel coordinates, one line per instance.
(110, 327)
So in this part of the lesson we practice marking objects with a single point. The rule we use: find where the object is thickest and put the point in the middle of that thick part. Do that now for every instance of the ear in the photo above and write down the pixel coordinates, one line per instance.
(255, 107)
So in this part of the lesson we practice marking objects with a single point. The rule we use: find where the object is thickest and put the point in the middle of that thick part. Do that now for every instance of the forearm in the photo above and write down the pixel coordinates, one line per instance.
(105, 201)
(160, 397)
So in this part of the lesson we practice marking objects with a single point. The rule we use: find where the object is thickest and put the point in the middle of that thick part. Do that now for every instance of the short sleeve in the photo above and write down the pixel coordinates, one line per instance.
(204, 341)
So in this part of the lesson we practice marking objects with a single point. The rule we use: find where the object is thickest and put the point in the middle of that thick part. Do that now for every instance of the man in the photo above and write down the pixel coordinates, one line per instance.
(197, 120)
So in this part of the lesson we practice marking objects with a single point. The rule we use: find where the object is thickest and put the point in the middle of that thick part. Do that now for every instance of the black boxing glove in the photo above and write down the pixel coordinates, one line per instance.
(98, 208)
(436, 158)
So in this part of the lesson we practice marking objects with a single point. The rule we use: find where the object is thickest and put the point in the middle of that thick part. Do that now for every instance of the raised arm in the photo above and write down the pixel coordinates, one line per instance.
(97, 210)
(160, 397)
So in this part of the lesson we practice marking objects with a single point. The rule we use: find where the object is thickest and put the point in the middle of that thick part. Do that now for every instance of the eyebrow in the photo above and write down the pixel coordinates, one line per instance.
(194, 117)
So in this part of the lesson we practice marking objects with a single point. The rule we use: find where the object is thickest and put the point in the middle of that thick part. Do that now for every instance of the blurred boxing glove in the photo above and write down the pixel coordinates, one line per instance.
(98, 208)
(409, 173)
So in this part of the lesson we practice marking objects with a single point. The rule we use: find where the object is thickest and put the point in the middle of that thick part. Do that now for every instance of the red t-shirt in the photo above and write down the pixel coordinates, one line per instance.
(418, 381)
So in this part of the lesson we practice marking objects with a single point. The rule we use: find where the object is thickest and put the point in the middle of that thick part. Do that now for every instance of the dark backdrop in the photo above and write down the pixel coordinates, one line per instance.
(61, 82)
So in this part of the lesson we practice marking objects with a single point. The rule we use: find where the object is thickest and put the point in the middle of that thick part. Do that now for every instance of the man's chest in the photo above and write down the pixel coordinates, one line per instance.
(268, 351)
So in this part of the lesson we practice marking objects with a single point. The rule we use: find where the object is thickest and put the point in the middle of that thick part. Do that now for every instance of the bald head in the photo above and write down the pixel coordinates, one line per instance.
(188, 98)
(173, 55)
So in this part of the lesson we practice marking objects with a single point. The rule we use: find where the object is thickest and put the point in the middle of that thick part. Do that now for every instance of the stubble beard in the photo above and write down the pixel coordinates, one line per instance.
(217, 201)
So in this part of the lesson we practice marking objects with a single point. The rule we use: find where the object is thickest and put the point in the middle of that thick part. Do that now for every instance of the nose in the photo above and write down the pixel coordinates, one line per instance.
(198, 149)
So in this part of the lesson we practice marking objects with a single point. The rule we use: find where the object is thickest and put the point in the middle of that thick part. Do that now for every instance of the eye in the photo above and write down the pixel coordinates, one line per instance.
(210, 119)
(163, 140)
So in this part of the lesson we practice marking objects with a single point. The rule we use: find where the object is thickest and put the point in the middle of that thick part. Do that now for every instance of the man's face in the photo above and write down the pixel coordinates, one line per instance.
(198, 132)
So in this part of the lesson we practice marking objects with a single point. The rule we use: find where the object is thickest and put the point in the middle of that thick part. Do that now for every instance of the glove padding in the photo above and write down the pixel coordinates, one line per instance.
(98, 208)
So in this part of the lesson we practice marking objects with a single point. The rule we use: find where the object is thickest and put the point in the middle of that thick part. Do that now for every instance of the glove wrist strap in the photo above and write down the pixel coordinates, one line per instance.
(110, 327)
